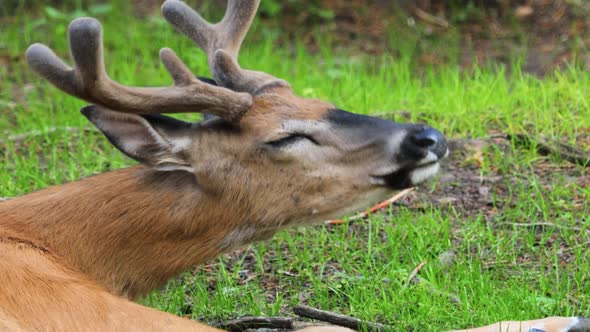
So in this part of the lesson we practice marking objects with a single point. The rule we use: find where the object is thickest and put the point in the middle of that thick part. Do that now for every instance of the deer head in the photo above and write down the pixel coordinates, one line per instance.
(273, 158)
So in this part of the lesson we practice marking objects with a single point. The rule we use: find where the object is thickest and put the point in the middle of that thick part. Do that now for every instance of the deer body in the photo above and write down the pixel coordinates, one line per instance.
(63, 263)
(129, 243)
(73, 256)
(41, 293)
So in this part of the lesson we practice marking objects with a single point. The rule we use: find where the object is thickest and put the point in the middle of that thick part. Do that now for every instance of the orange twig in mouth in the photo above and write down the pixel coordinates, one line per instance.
(374, 208)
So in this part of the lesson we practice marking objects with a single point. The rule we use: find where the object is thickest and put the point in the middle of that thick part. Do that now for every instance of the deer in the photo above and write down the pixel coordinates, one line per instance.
(76, 256)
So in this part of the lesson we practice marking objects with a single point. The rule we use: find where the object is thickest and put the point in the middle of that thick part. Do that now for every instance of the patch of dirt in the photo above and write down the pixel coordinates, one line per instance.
(465, 188)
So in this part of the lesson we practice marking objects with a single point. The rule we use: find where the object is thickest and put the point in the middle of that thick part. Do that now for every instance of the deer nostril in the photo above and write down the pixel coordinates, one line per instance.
(425, 138)
(424, 142)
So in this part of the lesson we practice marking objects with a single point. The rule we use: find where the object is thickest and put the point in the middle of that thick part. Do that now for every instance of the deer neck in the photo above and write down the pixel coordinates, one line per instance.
(130, 230)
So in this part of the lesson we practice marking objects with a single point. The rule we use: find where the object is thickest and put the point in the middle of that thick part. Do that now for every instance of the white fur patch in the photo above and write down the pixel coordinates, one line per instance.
(430, 158)
(419, 175)
(551, 324)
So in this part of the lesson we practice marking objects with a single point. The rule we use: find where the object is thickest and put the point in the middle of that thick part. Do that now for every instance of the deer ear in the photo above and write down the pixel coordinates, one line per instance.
(154, 140)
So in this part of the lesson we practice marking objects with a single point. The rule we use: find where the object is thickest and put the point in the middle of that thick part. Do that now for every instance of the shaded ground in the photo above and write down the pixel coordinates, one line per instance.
(546, 34)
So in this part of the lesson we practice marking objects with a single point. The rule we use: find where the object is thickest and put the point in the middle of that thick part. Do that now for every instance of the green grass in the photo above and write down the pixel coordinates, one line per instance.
(359, 269)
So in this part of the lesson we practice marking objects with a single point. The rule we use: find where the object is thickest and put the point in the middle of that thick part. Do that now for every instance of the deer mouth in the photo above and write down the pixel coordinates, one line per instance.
(409, 176)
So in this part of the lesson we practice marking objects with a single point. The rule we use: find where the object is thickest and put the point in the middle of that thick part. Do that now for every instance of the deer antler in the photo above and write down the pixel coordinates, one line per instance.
(221, 42)
(89, 80)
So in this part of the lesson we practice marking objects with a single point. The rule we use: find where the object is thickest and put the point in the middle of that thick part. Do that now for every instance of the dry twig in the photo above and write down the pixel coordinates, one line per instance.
(338, 319)
(546, 146)
(374, 208)
(246, 323)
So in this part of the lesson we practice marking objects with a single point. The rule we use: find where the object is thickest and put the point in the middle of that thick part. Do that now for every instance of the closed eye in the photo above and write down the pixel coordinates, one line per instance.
(290, 139)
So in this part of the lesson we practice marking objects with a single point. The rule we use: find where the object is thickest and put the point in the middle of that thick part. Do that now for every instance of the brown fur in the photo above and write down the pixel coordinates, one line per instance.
(39, 292)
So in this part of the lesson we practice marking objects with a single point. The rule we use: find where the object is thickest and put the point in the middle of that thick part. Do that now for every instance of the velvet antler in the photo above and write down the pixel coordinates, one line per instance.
(221, 42)
(89, 80)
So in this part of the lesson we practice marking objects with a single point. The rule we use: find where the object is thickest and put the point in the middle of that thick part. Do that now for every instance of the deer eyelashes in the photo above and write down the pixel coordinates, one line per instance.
(291, 139)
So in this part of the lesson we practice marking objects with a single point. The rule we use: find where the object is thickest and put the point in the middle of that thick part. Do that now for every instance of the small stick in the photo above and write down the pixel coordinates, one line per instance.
(246, 323)
(374, 208)
(388, 202)
(547, 146)
(338, 319)
(415, 271)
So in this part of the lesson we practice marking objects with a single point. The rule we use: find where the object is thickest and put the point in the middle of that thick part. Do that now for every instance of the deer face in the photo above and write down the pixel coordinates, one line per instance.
(276, 158)
(339, 162)
(296, 160)
(328, 162)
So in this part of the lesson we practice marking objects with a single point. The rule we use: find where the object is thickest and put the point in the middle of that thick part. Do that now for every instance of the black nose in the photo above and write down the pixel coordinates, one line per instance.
(429, 139)
(425, 138)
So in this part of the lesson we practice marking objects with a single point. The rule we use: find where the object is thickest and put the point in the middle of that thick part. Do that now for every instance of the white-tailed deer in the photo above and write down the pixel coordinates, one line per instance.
(73, 256)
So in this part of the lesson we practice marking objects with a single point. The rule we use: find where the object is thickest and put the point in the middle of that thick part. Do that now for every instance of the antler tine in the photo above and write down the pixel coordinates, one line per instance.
(89, 80)
(222, 41)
